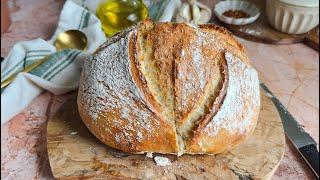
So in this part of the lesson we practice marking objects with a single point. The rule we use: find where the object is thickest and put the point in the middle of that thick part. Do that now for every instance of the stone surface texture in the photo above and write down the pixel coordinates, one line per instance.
(290, 71)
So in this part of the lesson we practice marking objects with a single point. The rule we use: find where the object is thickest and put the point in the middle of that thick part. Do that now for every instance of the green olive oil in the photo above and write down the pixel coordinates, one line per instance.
(117, 15)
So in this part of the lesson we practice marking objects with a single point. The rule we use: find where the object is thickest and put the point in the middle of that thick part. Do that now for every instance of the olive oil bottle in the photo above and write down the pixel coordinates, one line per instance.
(117, 15)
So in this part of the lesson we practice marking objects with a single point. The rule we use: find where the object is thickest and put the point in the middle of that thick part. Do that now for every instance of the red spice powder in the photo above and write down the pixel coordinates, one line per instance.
(236, 14)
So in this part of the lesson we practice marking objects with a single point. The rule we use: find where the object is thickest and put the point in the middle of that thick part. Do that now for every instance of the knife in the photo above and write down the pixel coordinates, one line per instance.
(304, 143)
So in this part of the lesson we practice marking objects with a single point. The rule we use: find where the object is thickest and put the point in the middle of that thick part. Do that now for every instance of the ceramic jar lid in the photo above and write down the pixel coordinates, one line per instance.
(304, 3)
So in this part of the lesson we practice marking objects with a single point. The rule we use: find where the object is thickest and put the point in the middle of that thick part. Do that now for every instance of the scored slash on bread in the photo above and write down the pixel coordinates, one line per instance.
(165, 87)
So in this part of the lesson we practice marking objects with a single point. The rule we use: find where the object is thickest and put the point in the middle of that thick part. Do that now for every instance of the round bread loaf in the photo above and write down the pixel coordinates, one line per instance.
(170, 88)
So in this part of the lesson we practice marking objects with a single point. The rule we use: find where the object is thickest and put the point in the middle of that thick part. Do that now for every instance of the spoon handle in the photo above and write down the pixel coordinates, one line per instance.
(27, 69)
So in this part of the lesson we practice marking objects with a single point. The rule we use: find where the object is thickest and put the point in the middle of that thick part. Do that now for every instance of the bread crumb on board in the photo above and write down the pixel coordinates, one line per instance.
(149, 155)
(162, 161)
(74, 133)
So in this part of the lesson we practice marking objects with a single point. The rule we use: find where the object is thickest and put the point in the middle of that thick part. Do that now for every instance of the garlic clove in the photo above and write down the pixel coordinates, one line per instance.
(184, 14)
(195, 13)
(180, 19)
(205, 13)
(205, 17)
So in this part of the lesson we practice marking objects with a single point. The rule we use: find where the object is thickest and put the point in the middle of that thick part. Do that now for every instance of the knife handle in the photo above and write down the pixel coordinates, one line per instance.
(311, 156)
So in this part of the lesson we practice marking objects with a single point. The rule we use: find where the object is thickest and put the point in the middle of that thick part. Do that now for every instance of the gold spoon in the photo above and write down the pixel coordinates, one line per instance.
(71, 39)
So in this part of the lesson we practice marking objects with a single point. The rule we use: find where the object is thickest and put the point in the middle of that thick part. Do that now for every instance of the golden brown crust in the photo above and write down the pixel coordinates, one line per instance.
(162, 65)
(192, 73)
(138, 77)
(162, 142)
(119, 123)
(213, 107)
(230, 44)
(223, 32)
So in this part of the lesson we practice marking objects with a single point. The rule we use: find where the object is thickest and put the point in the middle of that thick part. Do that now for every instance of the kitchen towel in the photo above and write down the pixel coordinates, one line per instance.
(61, 72)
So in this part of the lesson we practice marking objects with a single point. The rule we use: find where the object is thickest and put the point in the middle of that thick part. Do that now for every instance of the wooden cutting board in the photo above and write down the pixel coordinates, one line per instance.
(74, 153)
(261, 31)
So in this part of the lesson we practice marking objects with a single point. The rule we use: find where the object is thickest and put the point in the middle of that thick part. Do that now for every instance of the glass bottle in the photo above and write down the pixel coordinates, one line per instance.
(117, 15)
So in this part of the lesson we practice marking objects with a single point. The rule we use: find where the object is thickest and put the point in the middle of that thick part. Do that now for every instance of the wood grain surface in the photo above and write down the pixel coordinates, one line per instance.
(312, 39)
(290, 71)
(74, 153)
(261, 31)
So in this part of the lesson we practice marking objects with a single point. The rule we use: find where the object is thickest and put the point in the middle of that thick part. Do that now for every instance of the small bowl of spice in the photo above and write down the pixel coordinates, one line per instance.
(236, 12)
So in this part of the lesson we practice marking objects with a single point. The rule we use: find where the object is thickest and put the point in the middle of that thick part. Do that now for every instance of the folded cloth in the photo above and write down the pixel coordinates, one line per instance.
(60, 73)
(162, 10)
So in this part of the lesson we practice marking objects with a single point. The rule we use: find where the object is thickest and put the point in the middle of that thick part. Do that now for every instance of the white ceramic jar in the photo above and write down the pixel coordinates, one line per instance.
(293, 16)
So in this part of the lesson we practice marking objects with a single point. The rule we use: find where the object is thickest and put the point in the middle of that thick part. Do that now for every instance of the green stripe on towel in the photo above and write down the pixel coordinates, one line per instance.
(38, 55)
(57, 65)
(54, 59)
(86, 20)
(41, 50)
(64, 66)
(20, 64)
(81, 19)
(11, 70)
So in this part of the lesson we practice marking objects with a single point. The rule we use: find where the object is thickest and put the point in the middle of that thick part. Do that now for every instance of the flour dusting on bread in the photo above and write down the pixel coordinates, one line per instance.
(110, 103)
(170, 88)
(242, 100)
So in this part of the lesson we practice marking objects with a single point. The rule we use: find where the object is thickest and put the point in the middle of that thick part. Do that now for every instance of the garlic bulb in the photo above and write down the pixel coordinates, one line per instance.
(184, 14)
(205, 13)
(193, 12)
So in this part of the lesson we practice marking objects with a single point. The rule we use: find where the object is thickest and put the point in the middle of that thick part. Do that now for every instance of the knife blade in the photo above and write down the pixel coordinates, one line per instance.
(305, 144)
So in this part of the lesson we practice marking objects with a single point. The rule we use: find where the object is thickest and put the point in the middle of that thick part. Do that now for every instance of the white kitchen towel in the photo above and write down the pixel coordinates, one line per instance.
(61, 72)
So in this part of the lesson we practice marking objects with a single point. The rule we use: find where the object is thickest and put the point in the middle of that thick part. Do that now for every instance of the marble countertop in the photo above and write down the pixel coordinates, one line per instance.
(290, 71)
